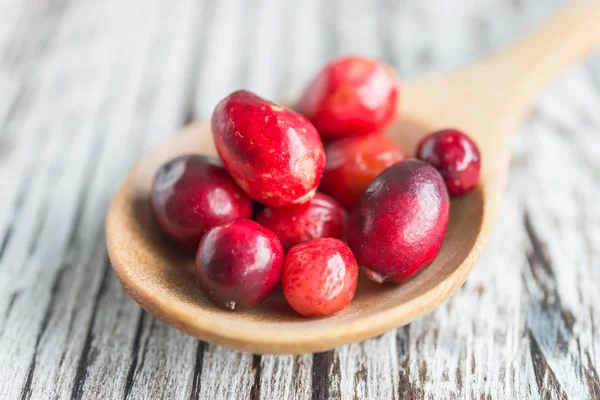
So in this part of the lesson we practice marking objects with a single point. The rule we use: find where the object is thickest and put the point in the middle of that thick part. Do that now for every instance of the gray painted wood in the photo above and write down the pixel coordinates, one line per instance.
(86, 86)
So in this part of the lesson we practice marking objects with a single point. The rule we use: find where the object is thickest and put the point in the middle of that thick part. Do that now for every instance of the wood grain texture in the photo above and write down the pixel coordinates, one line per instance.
(86, 86)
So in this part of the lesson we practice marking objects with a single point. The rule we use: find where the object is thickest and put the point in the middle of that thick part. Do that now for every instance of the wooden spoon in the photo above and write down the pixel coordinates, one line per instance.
(487, 99)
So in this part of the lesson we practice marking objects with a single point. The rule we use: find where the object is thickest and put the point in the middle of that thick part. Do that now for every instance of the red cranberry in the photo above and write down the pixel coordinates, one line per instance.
(456, 156)
(319, 277)
(399, 223)
(318, 218)
(351, 95)
(239, 262)
(353, 163)
(273, 153)
(191, 194)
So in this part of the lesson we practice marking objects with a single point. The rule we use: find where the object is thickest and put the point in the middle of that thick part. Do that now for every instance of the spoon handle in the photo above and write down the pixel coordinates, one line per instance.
(527, 65)
(499, 89)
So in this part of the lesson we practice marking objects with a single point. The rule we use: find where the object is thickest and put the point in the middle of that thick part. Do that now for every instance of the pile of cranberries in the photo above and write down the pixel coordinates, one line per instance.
(274, 156)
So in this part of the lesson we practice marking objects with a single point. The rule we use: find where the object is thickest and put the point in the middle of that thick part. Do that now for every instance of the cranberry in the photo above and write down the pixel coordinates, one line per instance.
(319, 277)
(399, 223)
(239, 262)
(354, 162)
(273, 153)
(191, 194)
(455, 155)
(318, 218)
(351, 95)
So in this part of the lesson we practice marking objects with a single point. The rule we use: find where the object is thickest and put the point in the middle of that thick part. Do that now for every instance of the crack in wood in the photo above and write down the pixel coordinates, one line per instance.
(538, 255)
(43, 212)
(591, 377)
(321, 378)
(256, 368)
(19, 203)
(6, 239)
(145, 346)
(26, 391)
(72, 241)
(459, 379)
(11, 303)
(134, 354)
(6, 117)
(197, 377)
(407, 389)
(85, 360)
(301, 376)
(543, 273)
(547, 383)
(70, 326)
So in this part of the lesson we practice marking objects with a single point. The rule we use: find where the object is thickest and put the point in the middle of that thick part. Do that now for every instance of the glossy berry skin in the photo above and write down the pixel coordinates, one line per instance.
(319, 277)
(238, 263)
(319, 217)
(191, 194)
(351, 96)
(354, 162)
(456, 156)
(399, 223)
(273, 153)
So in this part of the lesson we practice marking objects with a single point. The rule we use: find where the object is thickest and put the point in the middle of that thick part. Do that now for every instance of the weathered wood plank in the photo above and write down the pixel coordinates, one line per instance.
(517, 328)
(86, 86)
(62, 360)
(223, 58)
(146, 347)
(367, 370)
(305, 52)
(287, 377)
(241, 371)
(356, 28)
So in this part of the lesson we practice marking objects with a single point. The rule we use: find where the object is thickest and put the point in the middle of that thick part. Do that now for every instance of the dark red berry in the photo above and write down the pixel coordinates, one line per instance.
(239, 263)
(191, 194)
(398, 226)
(318, 218)
(319, 277)
(455, 155)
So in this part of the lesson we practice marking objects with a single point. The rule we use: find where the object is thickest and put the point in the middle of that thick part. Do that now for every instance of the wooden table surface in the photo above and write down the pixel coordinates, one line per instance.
(86, 86)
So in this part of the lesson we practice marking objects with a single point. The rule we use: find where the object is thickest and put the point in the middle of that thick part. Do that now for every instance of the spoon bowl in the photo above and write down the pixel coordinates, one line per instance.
(486, 100)
(161, 278)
